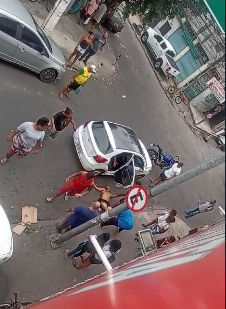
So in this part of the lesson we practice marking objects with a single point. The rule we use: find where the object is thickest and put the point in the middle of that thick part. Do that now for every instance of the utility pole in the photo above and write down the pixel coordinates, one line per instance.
(54, 15)
(57, 240)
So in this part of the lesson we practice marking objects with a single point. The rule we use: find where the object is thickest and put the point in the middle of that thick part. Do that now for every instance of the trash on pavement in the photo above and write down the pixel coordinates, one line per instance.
(19, 228)
(29, 217)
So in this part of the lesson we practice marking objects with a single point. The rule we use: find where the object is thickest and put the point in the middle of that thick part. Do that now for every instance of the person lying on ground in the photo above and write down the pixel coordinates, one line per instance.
(78, 216)
(110, 250)
(160, 228)
(105, 196)
(78, 184)
(202, 207)
(197, 229)
(124, 221)
(59, 122)
(167, 174)
(81, 48)
(165, 241)
(161, 218)
(87, 246)
(79, 80)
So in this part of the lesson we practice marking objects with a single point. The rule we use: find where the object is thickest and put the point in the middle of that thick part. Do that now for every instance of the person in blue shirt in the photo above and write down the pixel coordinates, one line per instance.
(78, 216)
(124, 221)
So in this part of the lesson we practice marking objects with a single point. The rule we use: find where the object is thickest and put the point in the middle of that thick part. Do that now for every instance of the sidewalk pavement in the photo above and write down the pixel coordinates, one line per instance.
(67, 34)
(36, 271)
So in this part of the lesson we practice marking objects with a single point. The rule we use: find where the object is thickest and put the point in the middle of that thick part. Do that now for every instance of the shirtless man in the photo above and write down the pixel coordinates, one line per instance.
(105, 196)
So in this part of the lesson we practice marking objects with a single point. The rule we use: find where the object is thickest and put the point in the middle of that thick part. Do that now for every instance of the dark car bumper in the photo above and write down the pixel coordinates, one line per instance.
(112, 26)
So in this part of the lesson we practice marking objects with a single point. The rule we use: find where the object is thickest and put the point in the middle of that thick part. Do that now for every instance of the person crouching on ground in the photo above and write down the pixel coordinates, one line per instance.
(80, 79)
(78, 216)
(110, 250)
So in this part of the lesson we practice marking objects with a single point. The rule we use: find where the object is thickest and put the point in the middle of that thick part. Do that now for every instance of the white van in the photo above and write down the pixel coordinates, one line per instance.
(6, 237)
(162, 52)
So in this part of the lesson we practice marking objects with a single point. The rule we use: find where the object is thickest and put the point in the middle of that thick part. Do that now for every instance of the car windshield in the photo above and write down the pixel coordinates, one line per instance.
(170, 53)
(125, 138)
(101, 137)
(43, 36)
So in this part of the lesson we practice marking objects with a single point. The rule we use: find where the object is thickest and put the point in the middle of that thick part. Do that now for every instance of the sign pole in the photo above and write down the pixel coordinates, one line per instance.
(163, 187)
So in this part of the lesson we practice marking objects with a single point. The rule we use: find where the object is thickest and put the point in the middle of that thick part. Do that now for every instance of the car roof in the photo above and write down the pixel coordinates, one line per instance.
(169, 45)
(16, 8)
(125, 138)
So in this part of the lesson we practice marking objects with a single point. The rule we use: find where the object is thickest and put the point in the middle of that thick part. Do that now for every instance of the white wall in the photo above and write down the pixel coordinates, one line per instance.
(174, 23)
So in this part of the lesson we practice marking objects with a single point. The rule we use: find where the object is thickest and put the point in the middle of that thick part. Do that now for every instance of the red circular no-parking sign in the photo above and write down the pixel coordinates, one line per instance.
(137, 198)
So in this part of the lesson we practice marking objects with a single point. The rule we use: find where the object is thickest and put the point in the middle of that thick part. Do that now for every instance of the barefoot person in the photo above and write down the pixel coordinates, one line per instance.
(80, 78)
(78, 184)
(59, 122)
(105, 196)
(27, 136)
(81, 47)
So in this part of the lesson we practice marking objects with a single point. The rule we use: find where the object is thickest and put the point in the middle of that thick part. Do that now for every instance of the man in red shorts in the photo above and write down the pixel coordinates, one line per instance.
(77, 184)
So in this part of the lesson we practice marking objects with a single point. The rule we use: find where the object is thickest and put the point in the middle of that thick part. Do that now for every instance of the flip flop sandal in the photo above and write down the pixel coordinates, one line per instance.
(67, 96)
(3, 161)
(75, 265)
(67, 197)
(61, 96)
(49, 200)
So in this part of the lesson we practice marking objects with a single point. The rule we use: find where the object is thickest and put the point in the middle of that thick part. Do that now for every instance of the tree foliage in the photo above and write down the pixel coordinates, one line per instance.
(150, 10)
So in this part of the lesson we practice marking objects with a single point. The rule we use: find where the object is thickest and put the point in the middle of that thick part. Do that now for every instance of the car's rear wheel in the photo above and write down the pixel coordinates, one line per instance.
(48, 75)
(153, 155)
(144, 37)
(158, 63)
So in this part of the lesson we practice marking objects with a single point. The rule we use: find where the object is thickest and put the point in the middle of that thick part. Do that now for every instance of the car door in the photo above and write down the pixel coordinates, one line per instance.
(139, 164)
(31, 52)
(8, 40)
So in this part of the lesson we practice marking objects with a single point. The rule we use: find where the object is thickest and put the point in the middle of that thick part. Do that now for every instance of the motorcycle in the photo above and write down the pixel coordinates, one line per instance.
(159, 158)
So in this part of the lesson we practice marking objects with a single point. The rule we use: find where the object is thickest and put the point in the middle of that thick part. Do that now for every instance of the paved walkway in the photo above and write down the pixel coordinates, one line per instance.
(36, 271)
(67, 34)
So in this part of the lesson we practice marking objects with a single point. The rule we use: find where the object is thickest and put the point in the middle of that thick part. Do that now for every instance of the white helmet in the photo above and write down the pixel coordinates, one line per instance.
(93, 68)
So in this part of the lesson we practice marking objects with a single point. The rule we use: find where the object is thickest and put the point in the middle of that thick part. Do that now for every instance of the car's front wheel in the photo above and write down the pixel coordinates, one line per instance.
(144, 37)
(48, 75)
(158, 63)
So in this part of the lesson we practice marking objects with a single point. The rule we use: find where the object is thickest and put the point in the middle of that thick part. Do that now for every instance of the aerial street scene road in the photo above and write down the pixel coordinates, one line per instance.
(112, 154)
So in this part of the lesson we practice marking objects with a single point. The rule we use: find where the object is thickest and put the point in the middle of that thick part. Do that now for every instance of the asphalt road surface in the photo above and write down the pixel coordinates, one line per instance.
(145, 108)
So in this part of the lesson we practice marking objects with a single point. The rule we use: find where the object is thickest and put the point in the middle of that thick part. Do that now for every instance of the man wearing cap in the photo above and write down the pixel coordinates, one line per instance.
(79, 80)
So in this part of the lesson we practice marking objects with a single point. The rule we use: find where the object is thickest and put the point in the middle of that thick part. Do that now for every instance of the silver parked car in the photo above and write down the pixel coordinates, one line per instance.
(24, 43)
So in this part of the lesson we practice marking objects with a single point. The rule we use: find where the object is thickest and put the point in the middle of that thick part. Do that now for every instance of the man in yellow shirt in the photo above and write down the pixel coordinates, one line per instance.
(80, 78)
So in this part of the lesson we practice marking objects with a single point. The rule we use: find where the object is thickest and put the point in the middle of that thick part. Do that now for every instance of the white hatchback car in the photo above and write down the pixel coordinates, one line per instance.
(6, 237)
(98, 142)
